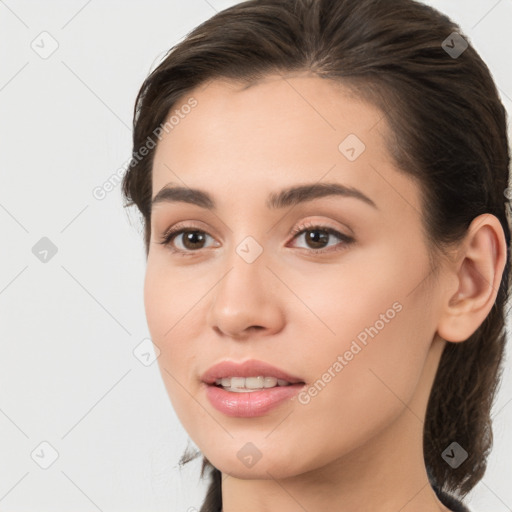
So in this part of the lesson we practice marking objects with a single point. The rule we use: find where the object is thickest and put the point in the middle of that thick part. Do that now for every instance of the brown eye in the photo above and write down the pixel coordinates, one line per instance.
(185, 240)
(317, 238)
(192, 239)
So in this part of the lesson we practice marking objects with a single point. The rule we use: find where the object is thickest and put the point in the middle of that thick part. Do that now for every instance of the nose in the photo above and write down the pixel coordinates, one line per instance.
(246, 300)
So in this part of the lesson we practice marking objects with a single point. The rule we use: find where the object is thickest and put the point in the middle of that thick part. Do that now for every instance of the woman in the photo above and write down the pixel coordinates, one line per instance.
(323, 186)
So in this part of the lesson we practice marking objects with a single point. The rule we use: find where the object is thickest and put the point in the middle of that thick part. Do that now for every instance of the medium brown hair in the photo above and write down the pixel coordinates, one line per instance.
(449, 133)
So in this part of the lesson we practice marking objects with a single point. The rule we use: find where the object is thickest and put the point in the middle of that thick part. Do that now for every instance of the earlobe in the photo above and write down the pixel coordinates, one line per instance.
(478, 271)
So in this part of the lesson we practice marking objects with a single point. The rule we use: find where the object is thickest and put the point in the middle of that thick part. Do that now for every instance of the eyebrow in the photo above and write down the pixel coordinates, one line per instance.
(276, 200)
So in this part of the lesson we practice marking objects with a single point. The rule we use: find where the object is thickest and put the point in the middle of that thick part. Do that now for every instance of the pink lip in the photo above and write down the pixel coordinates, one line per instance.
(250, 368)
(252, 403)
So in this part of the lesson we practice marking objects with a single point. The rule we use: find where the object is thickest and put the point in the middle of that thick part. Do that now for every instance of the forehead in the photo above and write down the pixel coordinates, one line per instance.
(293, 100)
(275, 132)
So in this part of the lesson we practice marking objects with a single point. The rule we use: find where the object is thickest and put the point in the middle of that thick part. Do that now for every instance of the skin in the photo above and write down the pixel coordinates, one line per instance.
(357, 445)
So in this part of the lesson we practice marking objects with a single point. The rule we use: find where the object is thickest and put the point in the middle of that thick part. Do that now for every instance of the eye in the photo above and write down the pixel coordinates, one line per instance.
(192, 240)
(318, 236)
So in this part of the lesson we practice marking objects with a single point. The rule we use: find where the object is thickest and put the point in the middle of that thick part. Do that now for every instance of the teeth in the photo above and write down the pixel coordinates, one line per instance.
(250, 383)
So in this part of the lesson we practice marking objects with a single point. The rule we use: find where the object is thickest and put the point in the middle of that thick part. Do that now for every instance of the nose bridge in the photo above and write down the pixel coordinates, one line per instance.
(245, 279)
(243, 297)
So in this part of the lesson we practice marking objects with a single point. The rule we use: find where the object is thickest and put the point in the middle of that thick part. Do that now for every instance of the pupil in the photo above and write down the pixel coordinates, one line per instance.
(190, 238)
(314, 238)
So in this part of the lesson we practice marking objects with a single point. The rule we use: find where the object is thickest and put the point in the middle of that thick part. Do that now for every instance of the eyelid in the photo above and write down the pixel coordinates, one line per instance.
(184, 225)
(309, 224)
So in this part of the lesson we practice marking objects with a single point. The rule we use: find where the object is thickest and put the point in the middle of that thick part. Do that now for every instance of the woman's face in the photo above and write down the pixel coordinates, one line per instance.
(352, 315)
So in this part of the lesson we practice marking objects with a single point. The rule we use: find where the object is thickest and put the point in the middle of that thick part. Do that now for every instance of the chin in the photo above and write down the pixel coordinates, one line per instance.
(263, 468)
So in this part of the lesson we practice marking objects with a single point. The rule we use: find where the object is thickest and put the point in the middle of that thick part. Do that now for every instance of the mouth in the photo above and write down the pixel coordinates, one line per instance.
(252, 384)
(249, 374)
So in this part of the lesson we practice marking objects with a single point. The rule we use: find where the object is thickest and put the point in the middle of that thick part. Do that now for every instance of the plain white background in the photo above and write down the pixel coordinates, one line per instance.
(69, 325)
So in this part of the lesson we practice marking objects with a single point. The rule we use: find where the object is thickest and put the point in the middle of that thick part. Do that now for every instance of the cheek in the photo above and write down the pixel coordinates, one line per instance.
(169, 297)
(162, 315)
(170, 307)
(360, 388)
(371, 337)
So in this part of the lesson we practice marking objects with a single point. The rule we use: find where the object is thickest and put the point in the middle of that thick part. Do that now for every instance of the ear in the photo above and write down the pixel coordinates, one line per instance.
(476, 272)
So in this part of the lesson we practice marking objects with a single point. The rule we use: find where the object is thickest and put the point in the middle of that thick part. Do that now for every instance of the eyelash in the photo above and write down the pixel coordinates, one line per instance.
(172, 233)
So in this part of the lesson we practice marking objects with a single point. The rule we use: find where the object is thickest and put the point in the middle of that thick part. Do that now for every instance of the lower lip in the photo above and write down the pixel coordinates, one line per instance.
(252, 403)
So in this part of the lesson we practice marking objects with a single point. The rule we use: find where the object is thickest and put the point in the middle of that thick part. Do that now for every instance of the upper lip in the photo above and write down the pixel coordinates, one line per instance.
(251, 368)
